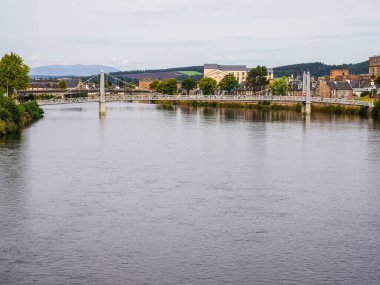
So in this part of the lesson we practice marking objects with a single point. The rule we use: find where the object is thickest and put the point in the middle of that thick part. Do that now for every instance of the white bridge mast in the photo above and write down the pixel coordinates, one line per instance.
(102, 97)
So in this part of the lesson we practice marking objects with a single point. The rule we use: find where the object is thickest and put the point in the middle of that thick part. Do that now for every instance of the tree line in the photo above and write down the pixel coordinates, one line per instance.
(14, 75)
(256, 80)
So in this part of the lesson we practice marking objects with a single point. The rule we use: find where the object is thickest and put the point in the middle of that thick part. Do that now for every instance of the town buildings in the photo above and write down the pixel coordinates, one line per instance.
(240, 72)
(145, 84)
(374, 66)
(218, 72)
(335, 89)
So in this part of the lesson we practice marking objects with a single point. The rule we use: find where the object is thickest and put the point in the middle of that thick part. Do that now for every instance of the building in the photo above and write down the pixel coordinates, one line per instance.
(38, 85)
(296, 88)
(240, 72)
(270, 74)
(335, 89)
(361, 85)
(145, 84)
(374, 66)
(339, 74)
(218, 72)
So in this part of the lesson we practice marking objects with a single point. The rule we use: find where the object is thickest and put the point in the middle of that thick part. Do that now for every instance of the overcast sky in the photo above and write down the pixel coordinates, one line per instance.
(140, 34)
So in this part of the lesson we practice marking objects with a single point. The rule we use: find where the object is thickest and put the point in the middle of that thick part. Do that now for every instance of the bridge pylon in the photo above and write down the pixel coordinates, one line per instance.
(102, 97)
(306, 85)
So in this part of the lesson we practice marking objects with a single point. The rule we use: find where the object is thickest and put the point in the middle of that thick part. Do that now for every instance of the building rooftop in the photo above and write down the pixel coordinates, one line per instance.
(339, 85)
(226, 67)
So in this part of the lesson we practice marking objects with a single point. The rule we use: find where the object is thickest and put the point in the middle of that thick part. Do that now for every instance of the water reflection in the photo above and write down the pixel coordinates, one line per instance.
(196, 195)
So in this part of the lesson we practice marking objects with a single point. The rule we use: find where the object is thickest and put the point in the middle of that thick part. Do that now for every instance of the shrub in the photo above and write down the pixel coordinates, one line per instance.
(15, 111)
(34, 110)
(2, 127)
(376, 110)
(4, 114)
(298, 107)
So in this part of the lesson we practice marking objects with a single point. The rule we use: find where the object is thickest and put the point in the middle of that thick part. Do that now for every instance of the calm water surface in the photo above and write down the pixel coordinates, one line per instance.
(154, 195)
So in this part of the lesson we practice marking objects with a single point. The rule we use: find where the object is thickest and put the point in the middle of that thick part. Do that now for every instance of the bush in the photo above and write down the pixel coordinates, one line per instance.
(298, 107)
(365, 93)
(14, 116)
(376, 110)
(4, 114)
(15, 110)
(34, 110)
(2, 128)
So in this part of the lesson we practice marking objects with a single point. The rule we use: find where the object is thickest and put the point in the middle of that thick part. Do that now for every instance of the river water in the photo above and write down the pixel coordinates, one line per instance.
(158, 195)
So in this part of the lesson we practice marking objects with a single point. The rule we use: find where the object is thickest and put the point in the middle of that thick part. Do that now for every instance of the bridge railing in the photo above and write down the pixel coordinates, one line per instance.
(218, 98)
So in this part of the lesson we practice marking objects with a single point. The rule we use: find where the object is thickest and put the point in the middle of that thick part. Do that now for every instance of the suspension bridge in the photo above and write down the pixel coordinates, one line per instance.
(123, 95)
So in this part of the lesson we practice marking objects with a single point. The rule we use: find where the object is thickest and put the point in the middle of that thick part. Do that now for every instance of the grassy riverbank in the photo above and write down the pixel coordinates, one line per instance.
(267, 105)
(14, 117)
(262, 105)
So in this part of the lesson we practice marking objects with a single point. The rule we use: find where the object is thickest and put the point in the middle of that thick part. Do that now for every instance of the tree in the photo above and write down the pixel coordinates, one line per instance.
(154, 85)
(279, 87)
(14, 74)
(377, 80)
(229, 83)
(188, 84)
(257, 78)
(168, 86)
(62, 84)
(208, 86)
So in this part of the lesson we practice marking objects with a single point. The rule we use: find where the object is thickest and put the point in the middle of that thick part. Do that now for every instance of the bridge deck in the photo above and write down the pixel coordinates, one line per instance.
(208, 98)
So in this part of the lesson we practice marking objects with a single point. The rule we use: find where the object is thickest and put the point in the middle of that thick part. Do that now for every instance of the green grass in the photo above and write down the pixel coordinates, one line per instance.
(364, 99)
(190, 73)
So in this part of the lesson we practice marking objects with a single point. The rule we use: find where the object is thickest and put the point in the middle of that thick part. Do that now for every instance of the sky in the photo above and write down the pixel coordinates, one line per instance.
(146, 34)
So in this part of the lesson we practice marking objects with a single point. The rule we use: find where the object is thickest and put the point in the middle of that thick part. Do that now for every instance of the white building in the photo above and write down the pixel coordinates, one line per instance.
(240, 72)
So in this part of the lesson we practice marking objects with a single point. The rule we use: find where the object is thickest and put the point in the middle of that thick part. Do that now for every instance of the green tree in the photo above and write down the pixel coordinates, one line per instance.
(168, 86)
(62, 84)
(377, 80)
(279, 87)
(208, 86)
(229, 83)
(188, 84)
(14, 74)
(154, 85)
(376, 110)
(257, 78)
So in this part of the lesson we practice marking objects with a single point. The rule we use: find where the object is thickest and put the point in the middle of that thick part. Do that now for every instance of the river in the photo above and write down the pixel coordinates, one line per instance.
(190, 195)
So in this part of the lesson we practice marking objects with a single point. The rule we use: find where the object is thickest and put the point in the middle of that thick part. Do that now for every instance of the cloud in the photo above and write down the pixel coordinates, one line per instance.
(34, 58)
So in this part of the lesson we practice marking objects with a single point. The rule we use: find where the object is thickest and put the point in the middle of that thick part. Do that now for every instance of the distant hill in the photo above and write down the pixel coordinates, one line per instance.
(69, 70)
(161, 74)
(319, 69)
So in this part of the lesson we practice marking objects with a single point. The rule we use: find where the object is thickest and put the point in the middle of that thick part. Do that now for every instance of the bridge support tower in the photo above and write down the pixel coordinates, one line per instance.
(102, 97)
(306, 105)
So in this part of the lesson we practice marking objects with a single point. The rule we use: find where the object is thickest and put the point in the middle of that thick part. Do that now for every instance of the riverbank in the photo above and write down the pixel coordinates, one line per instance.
(14, 117)
(288, 106)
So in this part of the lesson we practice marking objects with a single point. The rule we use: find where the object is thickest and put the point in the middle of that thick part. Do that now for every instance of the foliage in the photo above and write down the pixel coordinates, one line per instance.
(319, 68)
(62, 84)
(189, 84)
(365, 93)
(168, 86)
(365, 98)
(229, 83)
(154, 85)
(377, 80)
(279, 87)
(14, 116)
(34, 110)
(2, 128)
(198, 69)
(13, 73)
(15, 111)
(208, 86)
(257, 78)
(376, 110)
